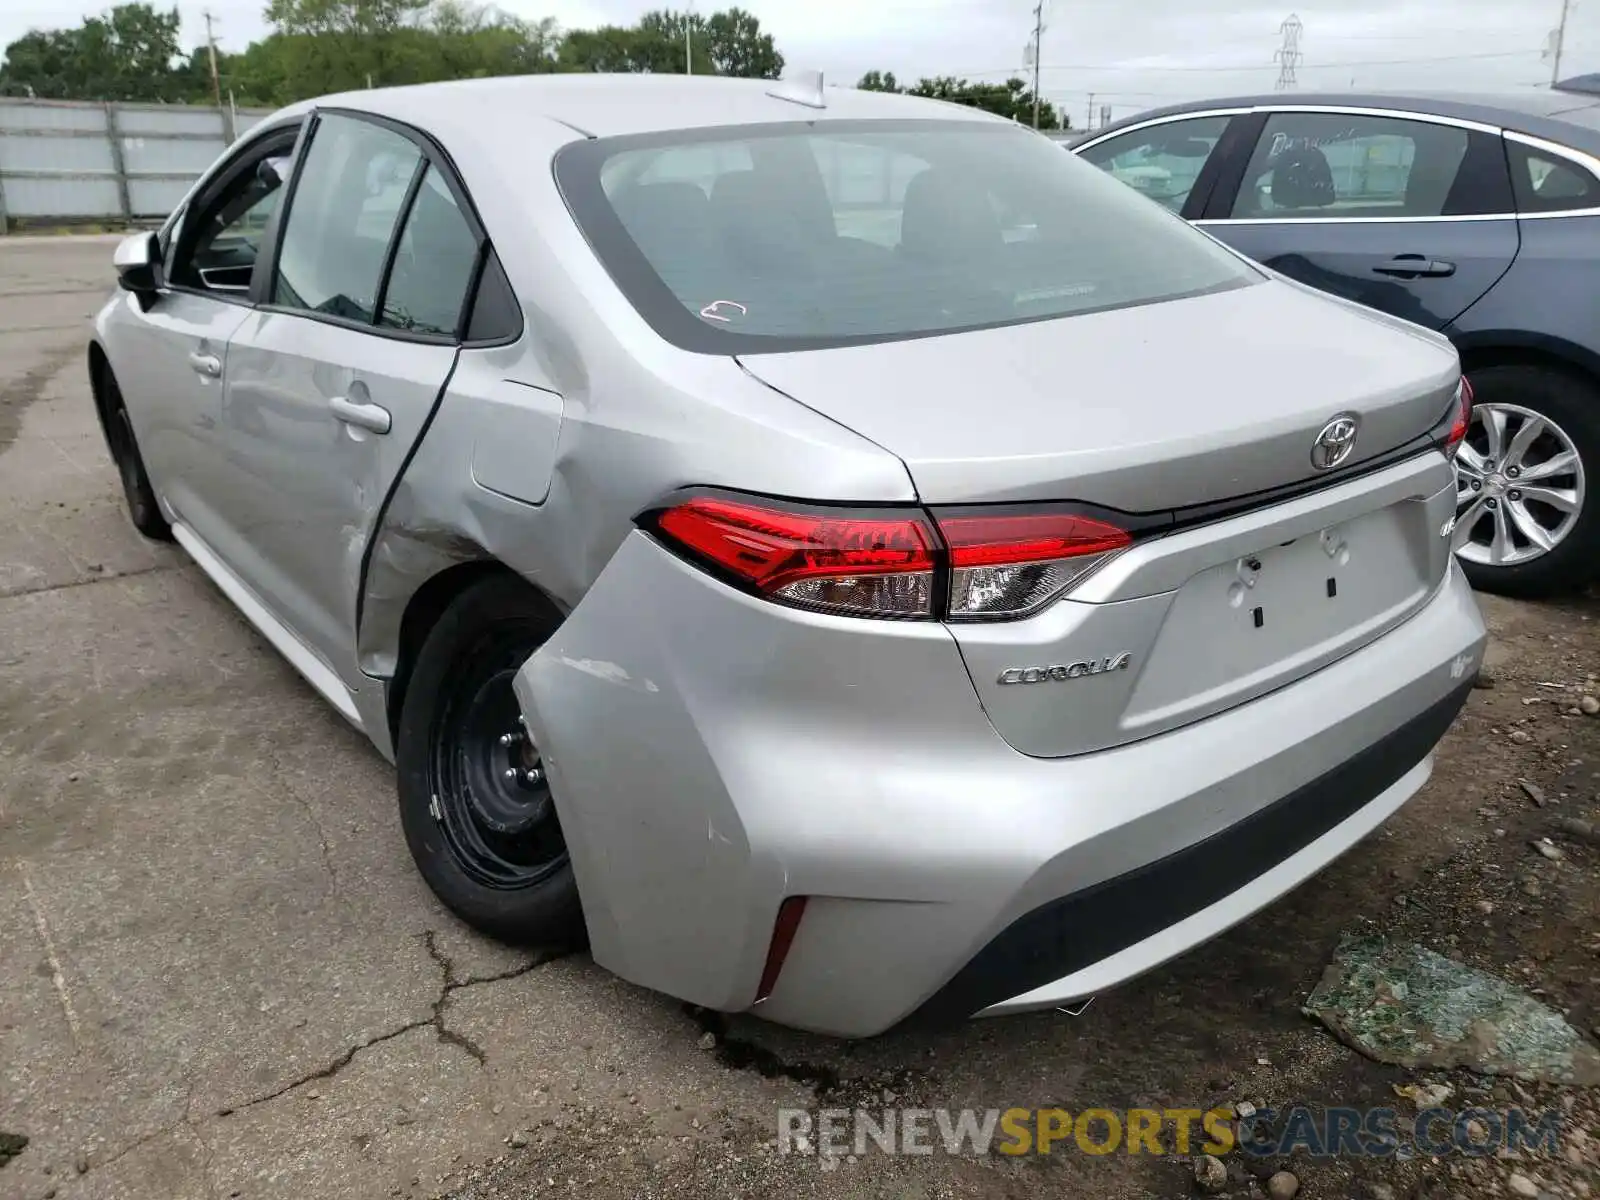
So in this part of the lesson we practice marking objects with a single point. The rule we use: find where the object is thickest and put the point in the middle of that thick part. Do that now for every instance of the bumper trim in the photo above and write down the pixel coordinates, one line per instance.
(1078, 930)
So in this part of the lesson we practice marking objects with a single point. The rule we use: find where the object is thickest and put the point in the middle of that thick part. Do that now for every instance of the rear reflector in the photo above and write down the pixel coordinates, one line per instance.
(783, 931)
(1002, 562)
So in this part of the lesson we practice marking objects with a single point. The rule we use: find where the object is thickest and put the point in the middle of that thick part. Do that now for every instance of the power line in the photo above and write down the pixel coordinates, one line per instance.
(1156, 68)
(1288, 55)
(1038, 53)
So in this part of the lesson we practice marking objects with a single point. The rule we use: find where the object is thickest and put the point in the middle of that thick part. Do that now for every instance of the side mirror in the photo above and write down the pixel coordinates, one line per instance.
(273, 171)
(138, 263)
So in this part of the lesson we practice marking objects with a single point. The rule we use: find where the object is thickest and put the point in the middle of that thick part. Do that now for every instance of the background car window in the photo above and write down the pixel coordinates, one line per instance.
(1342, 165)
(346, 205)
(1545, 183)
(1163, 161)
(433, 263)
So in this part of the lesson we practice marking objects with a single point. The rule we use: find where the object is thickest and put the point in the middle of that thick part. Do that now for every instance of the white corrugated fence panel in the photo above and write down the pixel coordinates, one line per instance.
(61, 197)
(34, 114)
(65, 154)
(170, 156)
(168, 118)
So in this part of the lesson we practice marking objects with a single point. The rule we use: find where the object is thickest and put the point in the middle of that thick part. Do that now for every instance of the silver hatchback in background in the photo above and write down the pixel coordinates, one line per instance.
(833, 552)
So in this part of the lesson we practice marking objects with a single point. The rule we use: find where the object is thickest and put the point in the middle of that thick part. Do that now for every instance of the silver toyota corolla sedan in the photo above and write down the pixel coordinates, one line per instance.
(831, 552)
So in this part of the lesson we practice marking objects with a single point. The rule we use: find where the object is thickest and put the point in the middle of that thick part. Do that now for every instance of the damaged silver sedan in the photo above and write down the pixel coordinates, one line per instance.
(829, 552)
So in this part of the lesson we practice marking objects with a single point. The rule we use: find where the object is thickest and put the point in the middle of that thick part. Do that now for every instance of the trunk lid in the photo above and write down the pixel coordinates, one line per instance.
(1162, 408)
(1142, 409)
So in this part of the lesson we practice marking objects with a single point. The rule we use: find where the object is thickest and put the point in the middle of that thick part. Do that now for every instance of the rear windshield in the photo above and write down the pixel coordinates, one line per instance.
(785, 237)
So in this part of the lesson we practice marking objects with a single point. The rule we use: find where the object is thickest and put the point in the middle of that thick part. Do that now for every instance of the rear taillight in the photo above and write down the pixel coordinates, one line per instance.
(1010, 564)
(1463, 419)
(999, 563)
(861, 564)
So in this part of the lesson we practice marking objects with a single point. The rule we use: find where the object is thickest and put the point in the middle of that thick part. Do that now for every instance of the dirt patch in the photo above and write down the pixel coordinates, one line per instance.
(18, 394)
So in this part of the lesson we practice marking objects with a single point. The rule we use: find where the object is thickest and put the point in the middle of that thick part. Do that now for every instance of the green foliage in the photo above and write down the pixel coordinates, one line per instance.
(1010, 99)
(318, 47)
(128, 53)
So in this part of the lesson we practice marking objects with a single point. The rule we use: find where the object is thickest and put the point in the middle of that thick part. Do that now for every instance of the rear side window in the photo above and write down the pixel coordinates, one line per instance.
(1321, 165)
(433, 263)
(351, 189)
(797, 236)
(1548, 183)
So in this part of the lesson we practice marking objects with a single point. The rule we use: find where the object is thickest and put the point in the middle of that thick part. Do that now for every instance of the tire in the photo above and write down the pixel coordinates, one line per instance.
(139, 496)
(489, 846)
(1494, 515)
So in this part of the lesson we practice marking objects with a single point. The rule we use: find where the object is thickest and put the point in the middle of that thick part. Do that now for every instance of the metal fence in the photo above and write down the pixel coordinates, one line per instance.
(66, 161)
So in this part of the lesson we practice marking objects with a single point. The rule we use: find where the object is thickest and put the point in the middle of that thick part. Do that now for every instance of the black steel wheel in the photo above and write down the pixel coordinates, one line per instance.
(143, 510)
(475, 800)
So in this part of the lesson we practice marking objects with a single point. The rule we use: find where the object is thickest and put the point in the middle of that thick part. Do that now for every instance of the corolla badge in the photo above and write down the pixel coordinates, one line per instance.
(1072, 670)
(1335, 442)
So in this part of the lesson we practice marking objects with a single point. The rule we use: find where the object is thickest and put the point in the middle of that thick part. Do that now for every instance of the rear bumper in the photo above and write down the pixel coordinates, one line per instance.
(712, 755)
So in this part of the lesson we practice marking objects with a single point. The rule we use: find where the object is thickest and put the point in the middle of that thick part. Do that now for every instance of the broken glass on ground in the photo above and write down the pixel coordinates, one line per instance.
(1401, 1003)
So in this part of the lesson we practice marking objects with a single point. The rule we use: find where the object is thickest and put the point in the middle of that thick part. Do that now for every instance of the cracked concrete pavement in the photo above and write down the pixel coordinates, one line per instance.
(222, 976)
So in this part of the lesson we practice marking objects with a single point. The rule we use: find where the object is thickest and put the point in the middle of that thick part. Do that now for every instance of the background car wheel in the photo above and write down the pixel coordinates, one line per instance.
(1526, 521)
(475, 801)
(136, 490)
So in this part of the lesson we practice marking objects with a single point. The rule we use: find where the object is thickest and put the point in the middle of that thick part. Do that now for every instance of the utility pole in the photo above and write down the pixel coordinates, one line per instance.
(1288, 55)
(211, 48)
(1038, 53)
(1088, 119)
(1558, 38)
(688, 41)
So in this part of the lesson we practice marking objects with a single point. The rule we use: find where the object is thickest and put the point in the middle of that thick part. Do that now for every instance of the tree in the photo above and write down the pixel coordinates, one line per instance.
(128, 53)
(879, 81)
(738, 47)
(1009, 99)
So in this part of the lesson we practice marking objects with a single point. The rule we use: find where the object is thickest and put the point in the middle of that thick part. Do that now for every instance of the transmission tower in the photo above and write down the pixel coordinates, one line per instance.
(1288, 55)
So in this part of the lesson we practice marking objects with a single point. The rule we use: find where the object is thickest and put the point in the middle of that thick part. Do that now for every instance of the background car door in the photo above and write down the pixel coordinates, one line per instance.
(1403, 214)
(332, 379)
(170, 358)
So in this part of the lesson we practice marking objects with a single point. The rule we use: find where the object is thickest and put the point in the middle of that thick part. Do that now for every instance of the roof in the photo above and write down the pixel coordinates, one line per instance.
(601, 105)
(1559, 115)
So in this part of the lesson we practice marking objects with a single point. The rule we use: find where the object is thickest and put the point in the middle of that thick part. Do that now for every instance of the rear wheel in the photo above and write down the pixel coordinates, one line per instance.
(1526, 522)
(475, 800)
(143, 510)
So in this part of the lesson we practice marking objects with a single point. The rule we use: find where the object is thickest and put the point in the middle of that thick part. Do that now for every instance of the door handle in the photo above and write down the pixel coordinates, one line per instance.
(1413, 266)
(208, 365)
(373, 417)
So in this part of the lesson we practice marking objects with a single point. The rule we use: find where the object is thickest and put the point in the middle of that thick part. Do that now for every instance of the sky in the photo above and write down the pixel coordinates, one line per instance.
(1131, 54)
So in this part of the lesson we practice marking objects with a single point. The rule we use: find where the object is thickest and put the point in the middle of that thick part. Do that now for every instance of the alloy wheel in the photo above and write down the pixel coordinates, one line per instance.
(1519, 486)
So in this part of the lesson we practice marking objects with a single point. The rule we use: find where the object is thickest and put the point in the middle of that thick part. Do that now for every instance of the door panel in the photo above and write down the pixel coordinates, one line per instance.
(317, 421)
(169, 361)
(1373, 263)
(1410, 216)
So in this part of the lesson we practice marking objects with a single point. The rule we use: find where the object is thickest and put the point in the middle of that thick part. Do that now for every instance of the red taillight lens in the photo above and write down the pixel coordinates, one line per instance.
(1003, 563)
(1011, 564)
(863, 564)
(1458, 428)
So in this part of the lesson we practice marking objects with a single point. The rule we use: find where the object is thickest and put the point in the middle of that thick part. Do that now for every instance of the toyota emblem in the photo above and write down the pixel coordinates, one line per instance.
(1335, 442)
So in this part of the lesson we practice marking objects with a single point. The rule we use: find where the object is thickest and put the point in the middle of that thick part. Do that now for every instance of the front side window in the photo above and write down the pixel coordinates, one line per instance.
(1350, 165)
(804, 236)
(347, 202)
(217, 244)
(1546, 183)
(1163, 161)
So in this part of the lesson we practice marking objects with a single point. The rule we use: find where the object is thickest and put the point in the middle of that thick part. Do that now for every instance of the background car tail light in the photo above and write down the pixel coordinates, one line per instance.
(864, 564)
(1010, 564)
(1463, 419)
